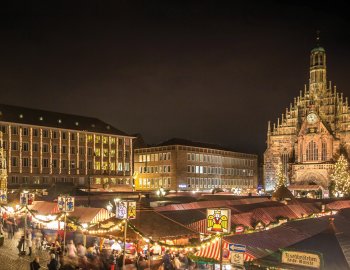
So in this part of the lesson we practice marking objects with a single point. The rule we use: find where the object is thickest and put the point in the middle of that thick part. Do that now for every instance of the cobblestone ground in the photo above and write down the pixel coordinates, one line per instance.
(9, 259)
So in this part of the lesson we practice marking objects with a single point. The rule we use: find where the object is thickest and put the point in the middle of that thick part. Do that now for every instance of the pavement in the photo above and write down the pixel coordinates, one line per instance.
(10, 260)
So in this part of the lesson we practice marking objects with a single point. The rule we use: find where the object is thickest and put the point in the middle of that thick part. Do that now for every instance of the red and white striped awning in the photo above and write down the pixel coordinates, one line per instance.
(212, 251)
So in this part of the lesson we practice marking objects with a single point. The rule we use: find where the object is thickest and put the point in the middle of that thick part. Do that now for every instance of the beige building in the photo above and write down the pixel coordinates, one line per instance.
(312, 132)
(184, 165)
(44, 148)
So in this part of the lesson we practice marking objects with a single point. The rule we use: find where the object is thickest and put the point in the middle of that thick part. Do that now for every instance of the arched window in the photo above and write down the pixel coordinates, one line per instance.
(324, 151)
(311, 151)
(285, 160)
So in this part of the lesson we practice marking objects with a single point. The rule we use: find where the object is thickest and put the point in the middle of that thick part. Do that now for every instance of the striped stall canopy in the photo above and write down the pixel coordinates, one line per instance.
(213, 251)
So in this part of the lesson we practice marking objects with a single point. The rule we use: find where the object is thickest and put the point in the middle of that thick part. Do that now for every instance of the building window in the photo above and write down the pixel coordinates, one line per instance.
(54, 135)
(25, 131)
(64, 149)
(14, 146)
(72, 164)
(14, 130)
(72, 136)
(45, 148)
(45, 163)
(72, 150)
(285, 160)
(35, 147)
(35, 163)
(311, 151)
(35, 132)
(25, 147)
(54, 163)
(3, 129)
(81, 164)
(14, 161)
(89, 165)
(90, 151)
(25, 162)
(45, 133)
(324, 151)
(64, 164)
(55, 148)
(64, 135)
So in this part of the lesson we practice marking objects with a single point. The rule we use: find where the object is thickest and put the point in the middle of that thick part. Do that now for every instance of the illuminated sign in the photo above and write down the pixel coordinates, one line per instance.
(218, 220)
(26, 198)
(300, 258)
(65, 203)
(3, 197)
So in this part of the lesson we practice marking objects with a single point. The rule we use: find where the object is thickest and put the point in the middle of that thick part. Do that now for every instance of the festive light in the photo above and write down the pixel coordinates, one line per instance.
(341, 177)
(280, 178)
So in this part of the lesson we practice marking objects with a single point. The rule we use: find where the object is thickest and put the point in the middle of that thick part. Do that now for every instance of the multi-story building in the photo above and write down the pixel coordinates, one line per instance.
(43, 148)
(311, 134)
(180, 164)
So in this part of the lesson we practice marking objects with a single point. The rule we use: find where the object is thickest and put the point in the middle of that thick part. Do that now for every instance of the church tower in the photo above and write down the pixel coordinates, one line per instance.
(311, 134)
(318, 71)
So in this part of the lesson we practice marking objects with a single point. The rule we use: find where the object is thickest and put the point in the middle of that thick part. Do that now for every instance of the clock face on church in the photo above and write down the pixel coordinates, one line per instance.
(311, 118)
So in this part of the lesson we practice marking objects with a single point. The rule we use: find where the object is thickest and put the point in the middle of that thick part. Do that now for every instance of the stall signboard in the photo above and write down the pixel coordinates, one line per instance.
(126, 210)
(300, 258)
(131, 210)
(65, 203)
(3, 197)
(237, 258)
(239, 229)
(26, 198)
(218, 220)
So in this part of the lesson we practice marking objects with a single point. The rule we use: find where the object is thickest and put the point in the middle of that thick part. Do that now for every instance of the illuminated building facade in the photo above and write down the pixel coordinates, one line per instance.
(184, 165)
(3, 169)
(312, 132)
(44, 148)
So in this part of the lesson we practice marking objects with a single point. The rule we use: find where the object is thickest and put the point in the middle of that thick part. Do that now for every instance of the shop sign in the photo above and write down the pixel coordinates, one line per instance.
(300, 258)
(65, 203)
(3, 197)
(239, 229)
(126, 210)
(237, 258)
(26, 198)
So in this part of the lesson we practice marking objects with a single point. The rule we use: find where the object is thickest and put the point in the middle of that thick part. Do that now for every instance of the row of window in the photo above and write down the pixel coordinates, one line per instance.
(155, 157)
(111, 166)
(55, 149)
(155, 169)
(219, 170)
(161, 182)
(64, 164)
(111, 181)
(45, 180)
(199, 182)
(219, 159)
(64, 135)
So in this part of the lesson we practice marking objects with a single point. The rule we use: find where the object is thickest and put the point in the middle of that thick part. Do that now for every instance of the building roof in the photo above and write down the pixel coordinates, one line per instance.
(27, 116)
(326, 242)
(185, 142)
(282, 193)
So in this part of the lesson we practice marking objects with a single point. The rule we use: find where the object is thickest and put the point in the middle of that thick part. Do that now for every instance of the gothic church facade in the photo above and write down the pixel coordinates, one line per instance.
(312, 132)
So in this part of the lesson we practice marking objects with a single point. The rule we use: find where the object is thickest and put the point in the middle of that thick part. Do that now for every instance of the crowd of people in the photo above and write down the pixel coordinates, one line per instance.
(74, 256)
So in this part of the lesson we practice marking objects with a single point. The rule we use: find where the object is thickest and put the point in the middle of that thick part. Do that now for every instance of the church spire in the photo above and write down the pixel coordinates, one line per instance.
(318, 75)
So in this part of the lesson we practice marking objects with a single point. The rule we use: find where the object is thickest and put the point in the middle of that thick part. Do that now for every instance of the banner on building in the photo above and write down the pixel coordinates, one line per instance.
(218, 220)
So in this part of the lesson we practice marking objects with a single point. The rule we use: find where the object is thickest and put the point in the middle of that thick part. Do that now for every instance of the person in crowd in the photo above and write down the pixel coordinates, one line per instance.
(20, 245)
(184, 260)
(120, 260)
(29, 243)
(71, 249)
(113, 260)
(81, 250)
(53, 264)
(34, 265)
(167, 261)
(9, 229)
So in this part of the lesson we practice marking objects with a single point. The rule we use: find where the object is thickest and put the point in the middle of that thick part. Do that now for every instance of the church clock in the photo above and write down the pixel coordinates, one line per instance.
(311, 118)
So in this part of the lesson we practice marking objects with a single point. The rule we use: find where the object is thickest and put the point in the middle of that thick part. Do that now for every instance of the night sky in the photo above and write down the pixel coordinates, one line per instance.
(210, 71)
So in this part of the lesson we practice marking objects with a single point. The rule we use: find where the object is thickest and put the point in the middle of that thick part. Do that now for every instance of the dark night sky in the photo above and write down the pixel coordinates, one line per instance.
(211, 71)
